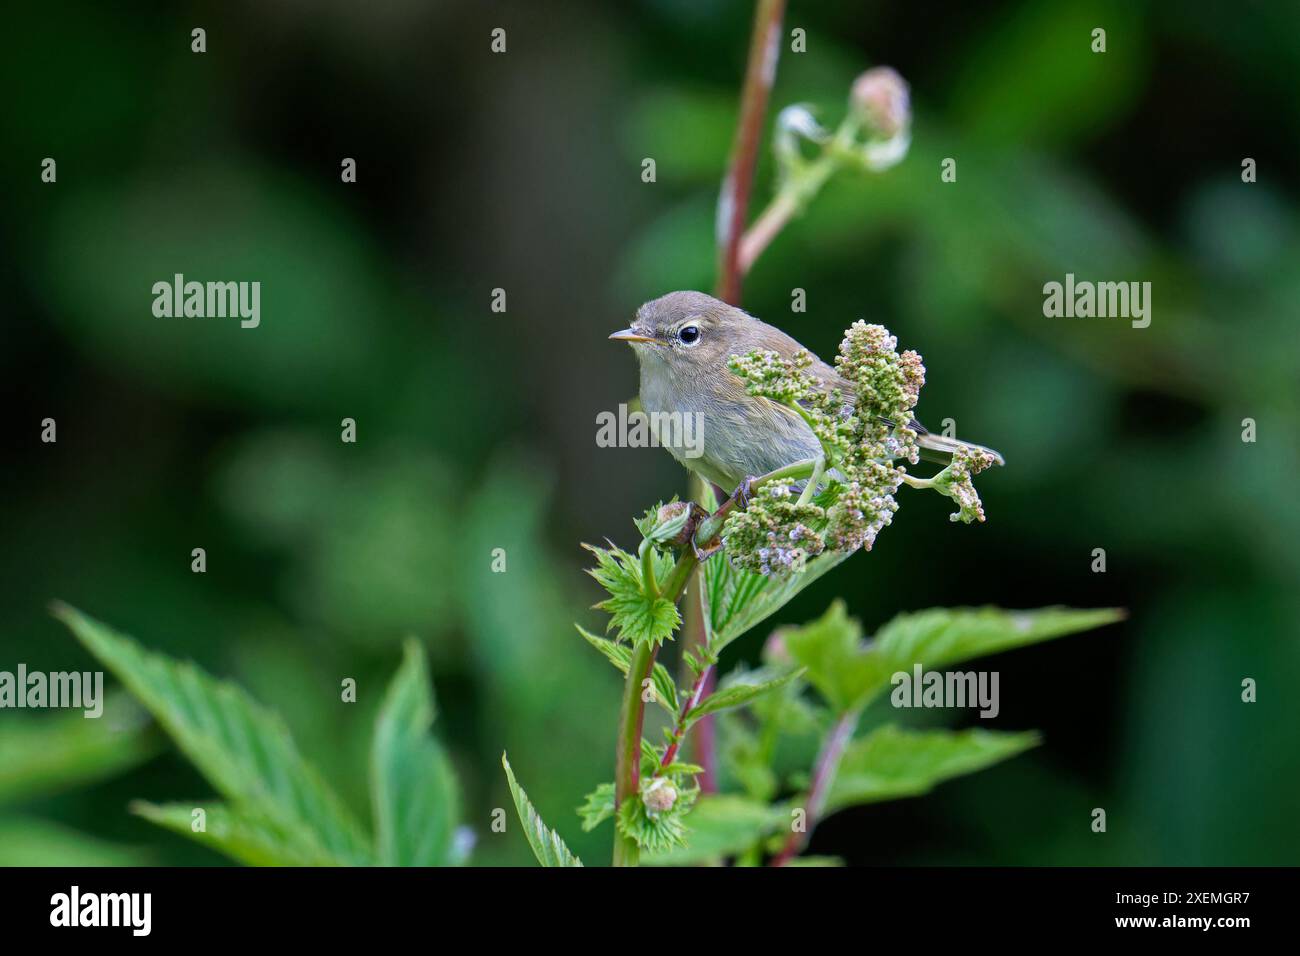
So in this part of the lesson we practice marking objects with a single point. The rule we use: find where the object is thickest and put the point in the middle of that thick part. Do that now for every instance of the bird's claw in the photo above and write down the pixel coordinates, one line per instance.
(744, 493)
(703, 554)
(741, 497)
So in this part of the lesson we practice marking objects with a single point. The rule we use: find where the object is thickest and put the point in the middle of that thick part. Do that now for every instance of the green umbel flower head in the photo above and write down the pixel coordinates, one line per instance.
(775, 534)
(867, 439)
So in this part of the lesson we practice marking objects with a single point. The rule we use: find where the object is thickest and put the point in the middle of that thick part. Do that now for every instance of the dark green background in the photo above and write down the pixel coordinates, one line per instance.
(477, 430)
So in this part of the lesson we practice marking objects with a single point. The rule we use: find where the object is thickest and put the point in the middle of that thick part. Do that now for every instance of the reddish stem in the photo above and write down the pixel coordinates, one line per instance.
(733, 209)
(706, 743)
(695, 637)
(700, 689)
(828, 762)
(733, 204)
(764, 230)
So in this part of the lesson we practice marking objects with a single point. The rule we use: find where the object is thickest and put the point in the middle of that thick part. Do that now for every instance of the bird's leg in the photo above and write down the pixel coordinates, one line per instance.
(741, 498)
(744, 492)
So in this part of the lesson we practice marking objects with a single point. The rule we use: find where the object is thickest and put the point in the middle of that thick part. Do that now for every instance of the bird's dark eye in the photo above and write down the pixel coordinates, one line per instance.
(689, 334)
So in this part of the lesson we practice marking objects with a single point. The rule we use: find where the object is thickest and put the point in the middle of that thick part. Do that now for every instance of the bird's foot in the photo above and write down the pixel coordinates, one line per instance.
(708, 551)
(744, 493)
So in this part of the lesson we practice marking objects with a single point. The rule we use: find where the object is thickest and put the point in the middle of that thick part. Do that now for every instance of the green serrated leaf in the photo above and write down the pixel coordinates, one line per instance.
(243, 749)
(697, 660)
(849, 673)
(598, 807)
(889, 762)
(654, 833)
(620, 655)
(240, 835)
(646, 523)
(746, 759)
(679, 768)
(412, 785)
(836, 661)
(942, 636)
(635, 615)
(789, 712)
(546, 843)
(721, 825)
(658, 531)
(650, 757)
(741, 690)
(736, 600)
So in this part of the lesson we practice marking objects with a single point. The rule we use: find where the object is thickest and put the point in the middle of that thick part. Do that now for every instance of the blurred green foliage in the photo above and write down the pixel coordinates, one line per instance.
(476, 429)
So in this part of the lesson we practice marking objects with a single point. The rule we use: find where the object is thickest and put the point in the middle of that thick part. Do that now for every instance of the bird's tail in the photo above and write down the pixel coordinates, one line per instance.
(939, 449)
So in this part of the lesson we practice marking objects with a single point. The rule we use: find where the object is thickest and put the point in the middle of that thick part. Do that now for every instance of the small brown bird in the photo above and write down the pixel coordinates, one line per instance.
(682, 341)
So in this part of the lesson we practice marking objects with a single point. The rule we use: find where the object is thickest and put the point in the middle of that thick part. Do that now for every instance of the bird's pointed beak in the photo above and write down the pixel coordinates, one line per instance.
(632, 335)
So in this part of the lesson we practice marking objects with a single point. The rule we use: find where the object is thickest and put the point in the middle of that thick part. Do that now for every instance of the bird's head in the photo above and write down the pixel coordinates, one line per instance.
(688, 332)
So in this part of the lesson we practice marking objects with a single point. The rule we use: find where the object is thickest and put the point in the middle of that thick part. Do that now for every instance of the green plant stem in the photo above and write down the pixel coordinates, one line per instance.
(824, 770)
(790, 200)
(733, 210)
(631, 721)
(704, 681)
(628, 766)
(712, 525)
(627, 770)
(810, 489)
(675, 583)
(797, 191)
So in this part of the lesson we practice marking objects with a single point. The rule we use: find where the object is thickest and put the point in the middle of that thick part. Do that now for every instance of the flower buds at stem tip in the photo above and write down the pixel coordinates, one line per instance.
(881, 98)
(658, 794)
(675, 523)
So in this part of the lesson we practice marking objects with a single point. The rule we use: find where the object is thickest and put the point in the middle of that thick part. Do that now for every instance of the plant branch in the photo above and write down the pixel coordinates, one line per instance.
(675, 583)
(712, 525)
(705, 680)
(828, 764)
(627, 771)
(785, 205)
(810, 489)
(770, 222)
(912, 481)
(704, 746)
(733, 210)
(631, 721)
(733, 203)
(699, 690)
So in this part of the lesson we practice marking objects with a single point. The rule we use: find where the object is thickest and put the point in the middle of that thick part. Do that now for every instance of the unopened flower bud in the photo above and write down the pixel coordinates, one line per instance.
(658, 794)
(880, 96)
(794, 124)
(676, 522)
(955, 482)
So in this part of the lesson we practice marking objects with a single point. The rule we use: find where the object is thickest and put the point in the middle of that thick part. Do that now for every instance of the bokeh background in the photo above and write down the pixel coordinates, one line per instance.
(477, 430)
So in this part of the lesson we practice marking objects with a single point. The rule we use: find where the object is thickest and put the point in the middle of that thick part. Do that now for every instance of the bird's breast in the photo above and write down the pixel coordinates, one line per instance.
(740, 436)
